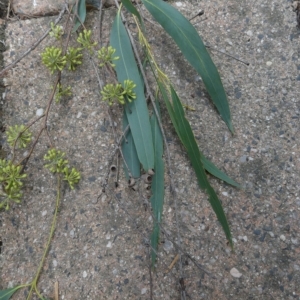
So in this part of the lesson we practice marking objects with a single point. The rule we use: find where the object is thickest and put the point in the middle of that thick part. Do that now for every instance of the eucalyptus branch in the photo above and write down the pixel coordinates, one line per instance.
(149, 92)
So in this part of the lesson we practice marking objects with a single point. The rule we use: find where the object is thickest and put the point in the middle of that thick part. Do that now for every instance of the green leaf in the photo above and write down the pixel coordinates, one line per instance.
(158, 185)
(6, 294)
(213, 170)
(81, 12)
(131, 8)
(193, 49)
(136, 111)
(208, 165)
(186, 136)
(129, 152)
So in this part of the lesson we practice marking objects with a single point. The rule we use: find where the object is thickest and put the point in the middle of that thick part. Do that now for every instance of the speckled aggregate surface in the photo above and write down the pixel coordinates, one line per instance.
(100, 246)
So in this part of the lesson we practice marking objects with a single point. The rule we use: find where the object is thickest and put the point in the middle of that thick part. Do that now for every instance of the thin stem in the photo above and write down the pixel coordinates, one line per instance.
(20, 133)
(25, 160)
(229, 55)
(53, 227)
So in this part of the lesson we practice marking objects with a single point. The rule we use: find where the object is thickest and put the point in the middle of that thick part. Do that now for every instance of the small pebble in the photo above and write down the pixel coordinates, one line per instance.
(267, 228)
(282, 237)
(257, 231)
(235, 273)
(243, 158)
(228, 41)
(72, 233)
(168, 245)
(225, 194)
(243, 238)
(109, 245)
(144, 291)
(178, 4)
(54, 263)
(79, 115)
(269, 63)
(296, 267)
(39, 112)
(103, 198)
(115, 271)
(84, 274)
(294, 241)
(44, 213)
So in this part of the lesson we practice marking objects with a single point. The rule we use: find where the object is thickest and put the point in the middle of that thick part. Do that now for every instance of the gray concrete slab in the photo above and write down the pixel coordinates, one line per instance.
(99, 247)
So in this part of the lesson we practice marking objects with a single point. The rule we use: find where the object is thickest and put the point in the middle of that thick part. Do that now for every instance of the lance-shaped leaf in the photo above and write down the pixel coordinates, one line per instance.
(209, 166)
(157, 186)
(193, 49)
(213, 170)
(6, 294)
(187, 138)
(193, 152)
(81, 14)
(136, 111)
(129, 152)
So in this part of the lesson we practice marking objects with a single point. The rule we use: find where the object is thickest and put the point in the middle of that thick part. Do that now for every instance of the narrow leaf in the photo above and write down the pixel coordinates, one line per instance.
(131, 8)
(129, 152)
(157, 186)
(193, 49)
(6, 294)
(213, 170)
(208, 165)
(136, 111)
(81, 13)
(186, 135)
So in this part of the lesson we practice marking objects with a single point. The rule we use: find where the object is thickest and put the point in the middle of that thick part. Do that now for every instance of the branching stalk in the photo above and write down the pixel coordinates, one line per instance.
(149, 92)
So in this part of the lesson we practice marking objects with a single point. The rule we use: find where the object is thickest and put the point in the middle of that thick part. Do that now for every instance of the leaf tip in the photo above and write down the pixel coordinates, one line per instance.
(230, 127)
